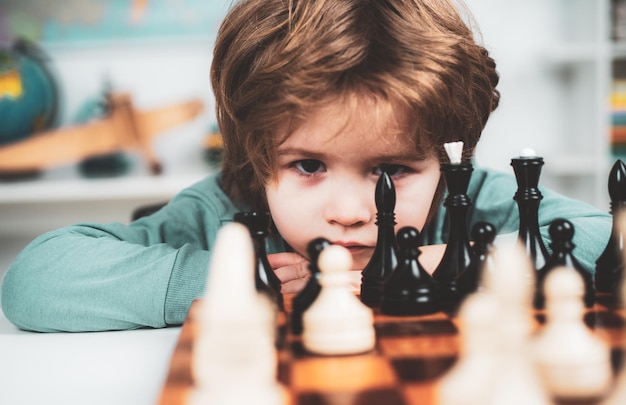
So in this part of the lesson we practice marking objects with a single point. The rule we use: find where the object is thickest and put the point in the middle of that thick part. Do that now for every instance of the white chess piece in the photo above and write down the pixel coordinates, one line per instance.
(511, 282)
(337, 322)
(235, 347)
(478, 360)
(572, 361)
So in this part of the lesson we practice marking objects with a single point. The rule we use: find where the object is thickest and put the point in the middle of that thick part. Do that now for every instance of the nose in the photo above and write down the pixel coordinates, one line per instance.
(350, 204)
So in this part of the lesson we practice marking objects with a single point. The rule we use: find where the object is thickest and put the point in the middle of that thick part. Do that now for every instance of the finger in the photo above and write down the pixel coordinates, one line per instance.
(292, 272)
(294, 286)
(277, 260)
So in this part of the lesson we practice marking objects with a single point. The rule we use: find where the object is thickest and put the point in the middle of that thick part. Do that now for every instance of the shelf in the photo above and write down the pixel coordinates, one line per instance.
(81, 189)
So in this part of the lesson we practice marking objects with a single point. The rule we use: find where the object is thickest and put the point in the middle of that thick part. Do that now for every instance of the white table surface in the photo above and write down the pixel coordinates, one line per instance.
(112, 368)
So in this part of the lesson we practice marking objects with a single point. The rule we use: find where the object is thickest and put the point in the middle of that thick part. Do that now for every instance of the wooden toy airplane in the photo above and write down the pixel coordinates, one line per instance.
(124, 128)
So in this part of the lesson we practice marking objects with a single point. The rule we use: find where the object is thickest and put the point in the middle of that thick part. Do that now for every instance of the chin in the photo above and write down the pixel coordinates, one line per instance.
(359, 262)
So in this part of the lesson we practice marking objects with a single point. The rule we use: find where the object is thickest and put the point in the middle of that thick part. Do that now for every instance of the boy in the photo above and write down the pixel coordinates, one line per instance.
(313, 99)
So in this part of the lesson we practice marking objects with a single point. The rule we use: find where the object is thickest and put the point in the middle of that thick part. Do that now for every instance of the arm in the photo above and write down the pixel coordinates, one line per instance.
(92, 277)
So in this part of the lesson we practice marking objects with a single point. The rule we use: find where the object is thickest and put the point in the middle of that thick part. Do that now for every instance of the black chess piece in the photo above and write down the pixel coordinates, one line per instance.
(265, 279)
(409, 290)
(458, 253)
(610, 264)
(561, 233)
(528, 197)
(385, 256)
(303, 300)
(483, 234)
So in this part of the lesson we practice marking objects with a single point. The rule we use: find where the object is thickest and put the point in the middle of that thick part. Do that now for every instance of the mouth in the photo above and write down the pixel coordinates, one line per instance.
(353, 247)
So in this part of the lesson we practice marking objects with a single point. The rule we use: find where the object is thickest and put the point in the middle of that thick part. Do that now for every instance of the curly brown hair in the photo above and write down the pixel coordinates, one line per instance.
(277, 60)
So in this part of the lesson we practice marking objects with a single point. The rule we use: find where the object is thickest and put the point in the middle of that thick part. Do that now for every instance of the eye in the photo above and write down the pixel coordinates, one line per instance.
(391, 170)
(308, 166)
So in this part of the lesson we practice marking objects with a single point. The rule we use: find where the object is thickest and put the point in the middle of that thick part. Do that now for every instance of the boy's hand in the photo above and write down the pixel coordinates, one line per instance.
(292, 270)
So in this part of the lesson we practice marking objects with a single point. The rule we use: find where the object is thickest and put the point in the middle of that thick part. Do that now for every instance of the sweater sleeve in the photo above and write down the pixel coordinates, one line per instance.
(493, 195)
(91, 277)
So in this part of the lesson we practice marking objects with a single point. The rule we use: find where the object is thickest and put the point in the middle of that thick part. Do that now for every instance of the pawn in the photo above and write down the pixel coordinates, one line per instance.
(561, 232)
(337, 322)
(478, 361)
(311, 290)
(572, 361)
(266, 280)
(410, 290)
(483, 234)
(511, 283)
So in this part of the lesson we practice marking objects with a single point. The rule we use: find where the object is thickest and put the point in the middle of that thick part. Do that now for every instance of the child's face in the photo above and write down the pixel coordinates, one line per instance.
(326, 177)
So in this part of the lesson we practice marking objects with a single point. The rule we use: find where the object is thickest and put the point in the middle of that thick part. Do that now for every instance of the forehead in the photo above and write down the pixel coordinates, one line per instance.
(356, 121)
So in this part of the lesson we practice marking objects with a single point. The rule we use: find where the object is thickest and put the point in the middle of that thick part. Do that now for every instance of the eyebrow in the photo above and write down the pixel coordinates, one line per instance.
(382, 158)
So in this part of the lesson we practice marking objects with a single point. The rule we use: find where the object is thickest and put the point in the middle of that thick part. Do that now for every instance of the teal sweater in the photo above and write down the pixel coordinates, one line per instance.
(91, 277)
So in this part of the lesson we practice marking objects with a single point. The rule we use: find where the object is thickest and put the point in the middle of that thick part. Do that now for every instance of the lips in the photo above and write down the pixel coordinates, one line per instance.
(353, 247)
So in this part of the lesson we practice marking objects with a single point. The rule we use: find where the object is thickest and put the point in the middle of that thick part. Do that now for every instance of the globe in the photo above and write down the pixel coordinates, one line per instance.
(29, 96)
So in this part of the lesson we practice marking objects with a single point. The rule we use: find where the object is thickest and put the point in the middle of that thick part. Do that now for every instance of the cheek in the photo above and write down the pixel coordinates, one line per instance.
(291, 210)
(413, 205)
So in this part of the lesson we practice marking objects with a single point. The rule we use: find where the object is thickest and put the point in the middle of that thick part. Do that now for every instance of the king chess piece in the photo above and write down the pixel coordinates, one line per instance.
(385, 257)
(610, 264)
(266, 280)
(527, 168)
(409, 290)
(458, 253)
(561, 232)
(311, 290)
(483, 234)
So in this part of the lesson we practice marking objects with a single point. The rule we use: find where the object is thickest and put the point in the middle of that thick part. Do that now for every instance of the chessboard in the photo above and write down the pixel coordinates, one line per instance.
(411, 354)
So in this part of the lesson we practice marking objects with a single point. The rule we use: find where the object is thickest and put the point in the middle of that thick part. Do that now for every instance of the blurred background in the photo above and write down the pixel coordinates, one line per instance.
(560, 61)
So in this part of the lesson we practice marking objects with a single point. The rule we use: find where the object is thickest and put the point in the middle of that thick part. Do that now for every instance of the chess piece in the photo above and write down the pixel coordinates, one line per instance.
(527, 170)
(458, 253)
(618, 394)
(311, 290)
(512, 280)
(573, 363)
(512, 284)
(266, 280)
(410, 290)
(385, 257)
(561, 232)
(610, 264)
(478, 362)
(337, 322)
(483, 234)
(236, 329)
